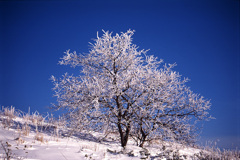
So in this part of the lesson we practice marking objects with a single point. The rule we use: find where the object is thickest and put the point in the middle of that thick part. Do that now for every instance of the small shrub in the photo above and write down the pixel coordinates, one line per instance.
(37, 120)
(26, 129)
(9, 112)
(7, 151)
(39, 137)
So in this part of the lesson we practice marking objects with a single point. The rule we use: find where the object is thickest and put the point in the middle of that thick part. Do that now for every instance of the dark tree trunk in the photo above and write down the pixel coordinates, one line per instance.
(124, 136)
(143, 139)
(143, 136)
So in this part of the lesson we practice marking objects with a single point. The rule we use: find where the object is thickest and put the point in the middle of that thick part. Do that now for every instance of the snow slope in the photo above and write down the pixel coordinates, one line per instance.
(45, 145)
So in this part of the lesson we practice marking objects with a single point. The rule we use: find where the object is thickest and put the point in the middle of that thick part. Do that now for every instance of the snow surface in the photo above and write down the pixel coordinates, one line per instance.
(81, 146)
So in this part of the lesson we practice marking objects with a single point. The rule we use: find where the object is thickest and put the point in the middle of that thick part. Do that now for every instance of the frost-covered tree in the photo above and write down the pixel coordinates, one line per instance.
(122, 88)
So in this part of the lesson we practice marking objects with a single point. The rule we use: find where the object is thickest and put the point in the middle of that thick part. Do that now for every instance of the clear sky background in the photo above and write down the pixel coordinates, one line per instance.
(201, 36)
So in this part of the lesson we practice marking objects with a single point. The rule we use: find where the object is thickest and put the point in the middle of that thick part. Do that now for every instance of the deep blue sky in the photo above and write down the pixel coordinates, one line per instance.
(201, 36)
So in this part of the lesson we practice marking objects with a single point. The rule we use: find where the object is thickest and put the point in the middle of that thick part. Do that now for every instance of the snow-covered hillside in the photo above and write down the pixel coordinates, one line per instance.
(30, 137)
